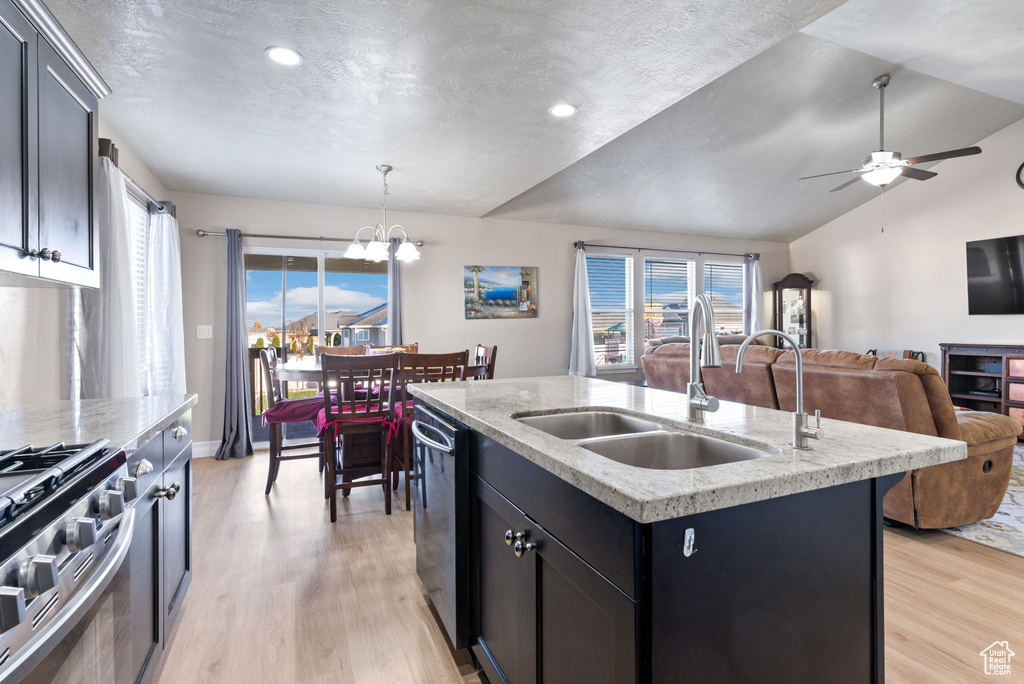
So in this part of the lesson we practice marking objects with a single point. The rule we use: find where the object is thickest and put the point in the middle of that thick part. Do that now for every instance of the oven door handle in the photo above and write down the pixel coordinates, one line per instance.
(37, 648)
(417, 430)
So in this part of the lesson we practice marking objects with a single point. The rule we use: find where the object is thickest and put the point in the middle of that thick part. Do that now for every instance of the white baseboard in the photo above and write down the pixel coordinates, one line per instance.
(204, 449)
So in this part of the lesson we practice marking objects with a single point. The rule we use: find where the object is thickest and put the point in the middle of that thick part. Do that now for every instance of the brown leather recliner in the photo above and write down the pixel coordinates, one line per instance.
(899, 394)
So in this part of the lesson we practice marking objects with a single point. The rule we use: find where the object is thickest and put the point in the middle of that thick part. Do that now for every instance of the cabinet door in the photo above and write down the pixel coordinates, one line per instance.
(586, 626)
(145, 586)
(67, 164)
(505, 612)
(176, 540)
(17, 137)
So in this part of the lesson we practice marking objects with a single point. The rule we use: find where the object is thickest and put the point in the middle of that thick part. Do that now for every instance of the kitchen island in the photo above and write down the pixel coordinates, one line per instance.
(583, 567)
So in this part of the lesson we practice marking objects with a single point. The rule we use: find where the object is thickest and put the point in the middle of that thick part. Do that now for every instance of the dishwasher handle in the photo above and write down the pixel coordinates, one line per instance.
(417, 431)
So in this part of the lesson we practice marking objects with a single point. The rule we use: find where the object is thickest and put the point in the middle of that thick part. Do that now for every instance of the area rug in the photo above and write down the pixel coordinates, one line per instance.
(1005, 530)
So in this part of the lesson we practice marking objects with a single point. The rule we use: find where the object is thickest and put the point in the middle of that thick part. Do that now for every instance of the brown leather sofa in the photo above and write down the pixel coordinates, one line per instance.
(900, 394)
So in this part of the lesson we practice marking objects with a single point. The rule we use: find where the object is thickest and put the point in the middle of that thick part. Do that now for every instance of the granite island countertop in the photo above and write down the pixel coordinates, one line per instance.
(127, 423)
(849, 452)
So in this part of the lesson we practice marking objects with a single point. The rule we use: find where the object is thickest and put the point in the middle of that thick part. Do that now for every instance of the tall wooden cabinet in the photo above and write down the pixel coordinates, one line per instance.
(48, 151)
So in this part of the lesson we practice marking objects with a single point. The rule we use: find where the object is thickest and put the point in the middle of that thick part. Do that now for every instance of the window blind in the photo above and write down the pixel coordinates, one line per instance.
(611, 306)
(723, 282)
(667, 294)
(138, 222)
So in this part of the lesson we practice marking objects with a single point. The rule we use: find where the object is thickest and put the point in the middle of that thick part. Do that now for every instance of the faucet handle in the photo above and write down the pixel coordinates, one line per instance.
(817, 419)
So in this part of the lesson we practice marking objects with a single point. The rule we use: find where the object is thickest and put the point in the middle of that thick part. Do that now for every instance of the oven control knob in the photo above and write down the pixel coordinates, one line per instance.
(80, 534)
(12, 607)
(38, 574)
(129, 486)
(111, 504)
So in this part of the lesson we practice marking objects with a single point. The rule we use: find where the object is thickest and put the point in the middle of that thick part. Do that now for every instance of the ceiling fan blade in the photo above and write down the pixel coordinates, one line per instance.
(917, 174)
(963, 152)
(834, 173)
(846, 184)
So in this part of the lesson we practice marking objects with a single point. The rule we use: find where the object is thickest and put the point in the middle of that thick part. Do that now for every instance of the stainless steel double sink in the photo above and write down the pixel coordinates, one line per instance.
(641, 443)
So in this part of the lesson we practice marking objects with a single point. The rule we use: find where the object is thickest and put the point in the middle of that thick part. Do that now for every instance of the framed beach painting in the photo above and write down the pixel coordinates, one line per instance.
(500, 291)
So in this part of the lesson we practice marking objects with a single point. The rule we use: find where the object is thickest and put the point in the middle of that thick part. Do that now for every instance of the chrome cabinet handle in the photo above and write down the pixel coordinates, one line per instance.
(143, 468)
(511, 537)
(179, 432)
(43, 254)
(520, 548)
(55, 256)
(168, 492)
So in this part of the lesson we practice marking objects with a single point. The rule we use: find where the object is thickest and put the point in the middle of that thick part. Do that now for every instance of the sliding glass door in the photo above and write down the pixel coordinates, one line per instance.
(297, 300)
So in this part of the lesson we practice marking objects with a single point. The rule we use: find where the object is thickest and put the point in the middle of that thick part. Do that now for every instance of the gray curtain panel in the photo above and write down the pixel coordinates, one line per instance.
(394, 334)
(237, 440)
(753, 294)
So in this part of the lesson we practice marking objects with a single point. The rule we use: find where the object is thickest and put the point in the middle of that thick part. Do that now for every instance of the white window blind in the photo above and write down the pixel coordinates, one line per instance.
(668, 290)
(611, 307)
(138, 222)
(723, 282)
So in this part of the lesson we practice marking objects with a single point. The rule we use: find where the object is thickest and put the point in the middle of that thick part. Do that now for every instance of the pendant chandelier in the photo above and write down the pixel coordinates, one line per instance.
(377, 248)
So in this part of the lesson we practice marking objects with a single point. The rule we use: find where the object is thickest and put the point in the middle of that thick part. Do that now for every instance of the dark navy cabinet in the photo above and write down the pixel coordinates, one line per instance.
(566, 589)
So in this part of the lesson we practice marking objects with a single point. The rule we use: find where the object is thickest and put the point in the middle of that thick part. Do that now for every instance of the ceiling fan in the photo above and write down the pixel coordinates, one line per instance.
(882, 167)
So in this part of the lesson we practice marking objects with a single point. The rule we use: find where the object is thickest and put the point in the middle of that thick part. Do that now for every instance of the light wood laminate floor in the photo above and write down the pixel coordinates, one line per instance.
(281, 595)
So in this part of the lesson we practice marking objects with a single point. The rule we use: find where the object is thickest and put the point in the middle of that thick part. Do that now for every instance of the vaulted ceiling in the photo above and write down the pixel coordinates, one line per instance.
(694, 116)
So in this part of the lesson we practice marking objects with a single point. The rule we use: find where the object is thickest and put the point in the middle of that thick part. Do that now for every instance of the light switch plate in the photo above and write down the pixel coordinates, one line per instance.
(204, 332)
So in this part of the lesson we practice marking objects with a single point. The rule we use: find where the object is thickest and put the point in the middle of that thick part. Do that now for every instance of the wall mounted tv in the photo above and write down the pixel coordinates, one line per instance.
(995, 276)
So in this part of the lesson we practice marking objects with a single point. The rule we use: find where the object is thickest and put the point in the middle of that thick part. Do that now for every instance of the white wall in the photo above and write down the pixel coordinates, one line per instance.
(906, 288)
(432, 287)
(32, 353)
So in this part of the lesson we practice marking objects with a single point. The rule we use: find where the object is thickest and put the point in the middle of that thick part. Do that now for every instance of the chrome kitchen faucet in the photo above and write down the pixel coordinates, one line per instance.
(801, 431)
(698, 401)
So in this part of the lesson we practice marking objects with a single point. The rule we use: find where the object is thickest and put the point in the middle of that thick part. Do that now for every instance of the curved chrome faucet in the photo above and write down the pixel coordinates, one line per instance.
(801, 431)
(709, 354)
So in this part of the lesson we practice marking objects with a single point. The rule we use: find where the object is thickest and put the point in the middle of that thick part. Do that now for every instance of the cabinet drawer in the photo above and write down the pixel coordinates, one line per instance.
(178, 436)
(606, 539)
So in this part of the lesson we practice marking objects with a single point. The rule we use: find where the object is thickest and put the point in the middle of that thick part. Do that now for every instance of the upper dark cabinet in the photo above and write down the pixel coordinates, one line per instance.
(17, 129)
(48, 150)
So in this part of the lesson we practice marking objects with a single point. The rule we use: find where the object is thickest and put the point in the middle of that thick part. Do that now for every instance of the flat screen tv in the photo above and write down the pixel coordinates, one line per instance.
(995, 276)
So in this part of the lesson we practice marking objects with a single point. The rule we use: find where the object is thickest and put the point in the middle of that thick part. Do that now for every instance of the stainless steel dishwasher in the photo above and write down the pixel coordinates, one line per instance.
(441, 514)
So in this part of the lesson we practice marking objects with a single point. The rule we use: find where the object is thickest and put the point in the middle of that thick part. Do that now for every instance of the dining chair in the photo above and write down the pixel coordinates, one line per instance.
(357, 350)
(475, 372)
(412, 348)
(348, 415)
(486, 356)
(417, 368)
(281, 410)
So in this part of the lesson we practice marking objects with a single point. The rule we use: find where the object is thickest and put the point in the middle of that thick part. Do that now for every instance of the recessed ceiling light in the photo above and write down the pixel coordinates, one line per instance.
(283, 55)
(562, 110)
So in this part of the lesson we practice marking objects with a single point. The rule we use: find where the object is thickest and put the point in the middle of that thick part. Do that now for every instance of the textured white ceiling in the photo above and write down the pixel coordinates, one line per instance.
(453, 94)
(975, 43)
(725, 160)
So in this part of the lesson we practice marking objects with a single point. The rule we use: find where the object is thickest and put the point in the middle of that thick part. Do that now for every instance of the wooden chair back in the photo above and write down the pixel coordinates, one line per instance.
(486, 356)
(415, 368)
(476, 372)
(342, 375)
(358, 350)
(413, 348)
(268, 361)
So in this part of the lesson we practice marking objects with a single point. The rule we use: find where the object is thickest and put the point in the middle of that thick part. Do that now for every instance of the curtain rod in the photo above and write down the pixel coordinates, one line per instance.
(212, 233)
(142, 191)
(580, 243)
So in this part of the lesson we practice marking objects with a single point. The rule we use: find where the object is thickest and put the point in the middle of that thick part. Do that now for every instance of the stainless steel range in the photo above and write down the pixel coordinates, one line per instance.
(65, 530)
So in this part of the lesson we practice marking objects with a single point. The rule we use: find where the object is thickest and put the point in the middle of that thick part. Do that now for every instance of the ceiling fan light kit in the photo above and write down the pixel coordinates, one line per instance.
(882, 166)
(377, 248)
